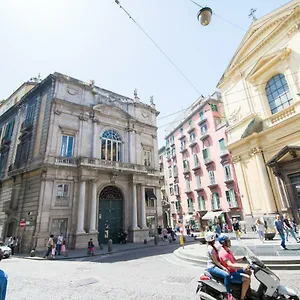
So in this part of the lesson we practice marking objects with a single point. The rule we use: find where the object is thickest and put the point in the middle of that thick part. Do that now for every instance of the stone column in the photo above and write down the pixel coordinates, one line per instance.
(95, 138)
(81, 208)
(143, 210)
(134, 207)
(93, 208)
(281, 188)
(264, 179)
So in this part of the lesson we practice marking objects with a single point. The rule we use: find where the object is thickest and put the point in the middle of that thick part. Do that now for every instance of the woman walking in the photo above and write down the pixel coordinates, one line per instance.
(214, 266)
(260, 228)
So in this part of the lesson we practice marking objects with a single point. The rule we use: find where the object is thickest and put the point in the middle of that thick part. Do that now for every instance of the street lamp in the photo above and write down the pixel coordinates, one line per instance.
(204, 15)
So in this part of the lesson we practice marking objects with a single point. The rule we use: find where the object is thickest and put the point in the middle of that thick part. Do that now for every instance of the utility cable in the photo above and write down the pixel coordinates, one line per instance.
(157, 46)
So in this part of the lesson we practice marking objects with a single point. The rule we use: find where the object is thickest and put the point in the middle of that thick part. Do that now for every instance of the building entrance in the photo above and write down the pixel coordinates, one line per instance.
(110, 214)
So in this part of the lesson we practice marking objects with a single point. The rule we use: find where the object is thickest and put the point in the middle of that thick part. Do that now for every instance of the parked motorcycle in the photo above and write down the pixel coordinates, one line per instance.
(212, 288)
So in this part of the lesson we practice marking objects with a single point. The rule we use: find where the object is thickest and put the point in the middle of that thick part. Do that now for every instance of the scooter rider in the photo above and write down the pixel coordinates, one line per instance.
(214, 266)
(240, 273)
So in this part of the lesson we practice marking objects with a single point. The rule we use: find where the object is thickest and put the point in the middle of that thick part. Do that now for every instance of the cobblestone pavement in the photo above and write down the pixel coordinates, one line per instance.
(140, 274)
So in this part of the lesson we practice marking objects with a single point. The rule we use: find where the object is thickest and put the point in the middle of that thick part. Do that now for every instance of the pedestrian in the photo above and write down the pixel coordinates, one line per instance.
(3, 280)
(49, 246)
(294, 223)
(218, 230)
(63, 248)
(11, 245)
(280, 230)
(53, 251)
(236, 228)
(59, 242)
(260, 228)
(159, 232)
(165, 234)
(289, 228)
(91, 247)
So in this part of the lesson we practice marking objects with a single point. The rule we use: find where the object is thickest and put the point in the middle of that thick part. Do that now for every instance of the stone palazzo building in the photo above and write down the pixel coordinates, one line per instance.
(80, 160)
(261, 93)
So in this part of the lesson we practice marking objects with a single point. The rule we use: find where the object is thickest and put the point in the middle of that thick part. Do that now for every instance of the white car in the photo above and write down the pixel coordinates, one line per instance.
(5, 249)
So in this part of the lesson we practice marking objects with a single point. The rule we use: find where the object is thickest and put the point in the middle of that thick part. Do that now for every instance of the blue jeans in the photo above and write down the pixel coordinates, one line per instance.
(3, 285)
(216, 271)
(282, 239)
(236, 277)
(58, 248)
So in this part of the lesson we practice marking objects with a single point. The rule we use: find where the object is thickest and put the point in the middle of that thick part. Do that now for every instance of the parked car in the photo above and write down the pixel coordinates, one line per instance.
(5, 249)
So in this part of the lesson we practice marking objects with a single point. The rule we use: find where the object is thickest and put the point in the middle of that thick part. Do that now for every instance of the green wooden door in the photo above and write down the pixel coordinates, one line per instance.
(110, 214)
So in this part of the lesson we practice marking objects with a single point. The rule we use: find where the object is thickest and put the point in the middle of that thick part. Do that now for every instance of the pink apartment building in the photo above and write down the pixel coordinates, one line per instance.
(202, 183)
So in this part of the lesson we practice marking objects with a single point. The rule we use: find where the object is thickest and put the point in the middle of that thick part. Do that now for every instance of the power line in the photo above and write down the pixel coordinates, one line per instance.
(238, 91)
(157, 46)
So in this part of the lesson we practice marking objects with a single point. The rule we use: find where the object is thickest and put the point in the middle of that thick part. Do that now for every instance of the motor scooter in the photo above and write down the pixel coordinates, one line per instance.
(212, 288)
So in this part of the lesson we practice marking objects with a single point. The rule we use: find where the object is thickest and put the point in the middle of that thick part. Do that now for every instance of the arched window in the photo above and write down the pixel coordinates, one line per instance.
(111, 146)
(278, 93)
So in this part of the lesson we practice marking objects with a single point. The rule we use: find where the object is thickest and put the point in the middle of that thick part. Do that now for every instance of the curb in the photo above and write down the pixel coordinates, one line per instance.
(292, 264)
(38, 258)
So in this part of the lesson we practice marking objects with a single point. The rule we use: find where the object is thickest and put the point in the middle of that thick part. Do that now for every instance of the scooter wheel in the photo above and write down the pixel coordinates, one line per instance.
(204, 296)
(293, 298)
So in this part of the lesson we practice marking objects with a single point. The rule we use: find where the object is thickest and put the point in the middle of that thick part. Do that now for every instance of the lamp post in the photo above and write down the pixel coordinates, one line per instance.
(204, 15)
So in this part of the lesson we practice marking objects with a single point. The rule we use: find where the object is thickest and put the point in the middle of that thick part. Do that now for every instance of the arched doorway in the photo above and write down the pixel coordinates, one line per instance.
(110, 214)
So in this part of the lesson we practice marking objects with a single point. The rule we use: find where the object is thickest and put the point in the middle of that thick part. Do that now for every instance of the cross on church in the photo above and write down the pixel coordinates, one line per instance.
(252, 14)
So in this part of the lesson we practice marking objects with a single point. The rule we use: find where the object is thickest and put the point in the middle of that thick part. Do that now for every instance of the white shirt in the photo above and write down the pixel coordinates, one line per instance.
(60, 239)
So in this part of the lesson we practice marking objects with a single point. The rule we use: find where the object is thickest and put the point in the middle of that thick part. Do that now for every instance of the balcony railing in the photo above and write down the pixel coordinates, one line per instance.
(228, 179)
(182, 136)
(207, 160)
(223, 153)
(204, 135)
(183, 149)
(212, 184)
(192, 143)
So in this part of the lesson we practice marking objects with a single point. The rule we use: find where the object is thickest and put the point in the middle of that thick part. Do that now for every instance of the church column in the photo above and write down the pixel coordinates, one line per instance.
(143, 209)
(134, 207)
(81, 208)
(264, 179)
(95, 139)
(93, 208)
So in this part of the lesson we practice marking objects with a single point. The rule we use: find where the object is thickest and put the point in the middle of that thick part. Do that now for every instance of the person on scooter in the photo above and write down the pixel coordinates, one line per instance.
(240, 273)
(214, 266)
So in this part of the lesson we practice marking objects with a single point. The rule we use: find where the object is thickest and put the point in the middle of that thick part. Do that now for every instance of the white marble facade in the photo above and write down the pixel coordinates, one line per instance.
(98, 139)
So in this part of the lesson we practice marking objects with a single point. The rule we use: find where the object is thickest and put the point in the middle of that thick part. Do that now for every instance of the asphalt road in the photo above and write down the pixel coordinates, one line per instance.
(152, 273)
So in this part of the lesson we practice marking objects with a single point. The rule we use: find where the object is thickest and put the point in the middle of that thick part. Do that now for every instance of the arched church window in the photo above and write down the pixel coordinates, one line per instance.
(278, 93)
(111, 146)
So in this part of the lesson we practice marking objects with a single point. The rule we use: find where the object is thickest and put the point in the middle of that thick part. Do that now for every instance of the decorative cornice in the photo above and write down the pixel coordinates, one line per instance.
(83, 117)
(254, 151)
(236, 159)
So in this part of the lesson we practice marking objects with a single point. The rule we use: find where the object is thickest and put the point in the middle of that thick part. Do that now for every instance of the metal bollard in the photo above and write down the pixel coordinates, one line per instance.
(109, 246)
(32, 253)
(145, 241)
(101, 246)
(155, 240)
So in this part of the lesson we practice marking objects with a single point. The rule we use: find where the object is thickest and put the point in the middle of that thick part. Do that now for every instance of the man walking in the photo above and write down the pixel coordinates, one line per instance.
(280, 230)
(60, 240)
(236, 228)
(49, 245)
(289, 228)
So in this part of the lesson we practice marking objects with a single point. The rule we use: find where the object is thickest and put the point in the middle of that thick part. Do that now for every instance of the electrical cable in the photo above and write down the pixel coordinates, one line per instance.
(157, 46)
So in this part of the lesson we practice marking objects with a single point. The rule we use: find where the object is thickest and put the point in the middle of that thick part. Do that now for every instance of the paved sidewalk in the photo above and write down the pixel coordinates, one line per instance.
(80, 253)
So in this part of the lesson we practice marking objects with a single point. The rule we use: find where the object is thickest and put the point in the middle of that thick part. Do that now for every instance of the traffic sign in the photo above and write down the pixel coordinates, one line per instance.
(22, 223)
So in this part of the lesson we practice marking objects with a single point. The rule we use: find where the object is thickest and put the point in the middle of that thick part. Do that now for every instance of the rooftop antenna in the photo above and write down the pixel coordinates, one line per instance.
(252, 14)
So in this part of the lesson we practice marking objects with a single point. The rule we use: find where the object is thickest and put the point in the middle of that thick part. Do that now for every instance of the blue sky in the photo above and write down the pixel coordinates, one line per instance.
(94, 39)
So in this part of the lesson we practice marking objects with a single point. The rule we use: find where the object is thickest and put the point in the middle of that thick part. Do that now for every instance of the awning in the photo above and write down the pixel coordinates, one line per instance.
(211, 215)
(150, 195)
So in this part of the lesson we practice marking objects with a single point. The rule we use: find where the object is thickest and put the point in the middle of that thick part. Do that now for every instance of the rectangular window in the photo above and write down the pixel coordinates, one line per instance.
(149, 201)
(231, 198)
(201, 115)
(3, 163)
(204, 129)
(183, 144)
(62, 195)
(215, 201)
(227, 171)
(218, 122)
(172, 140)
(171, 191)
(176, 189)
(181, 130)
(167, 143)
(168, 154)
(67, 146)
(192, 137)
(170, 172)
(175, 173)
(198, 181)
(190, 122)
(173, 151)
(196, 160)
(147, 158)
(201, 203)
(1, 132)
(9, 129)
(187, 185)
(211, 177)
(178, 206)
(222, 144)
(190, 204)
(185, 164)
(214, 107)
(206, 154)
(30, 113)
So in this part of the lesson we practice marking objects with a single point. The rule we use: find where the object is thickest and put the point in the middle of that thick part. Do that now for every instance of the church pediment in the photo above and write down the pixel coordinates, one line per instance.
(260, 34)
(286, 154)
(266, 62)
(112, 110)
